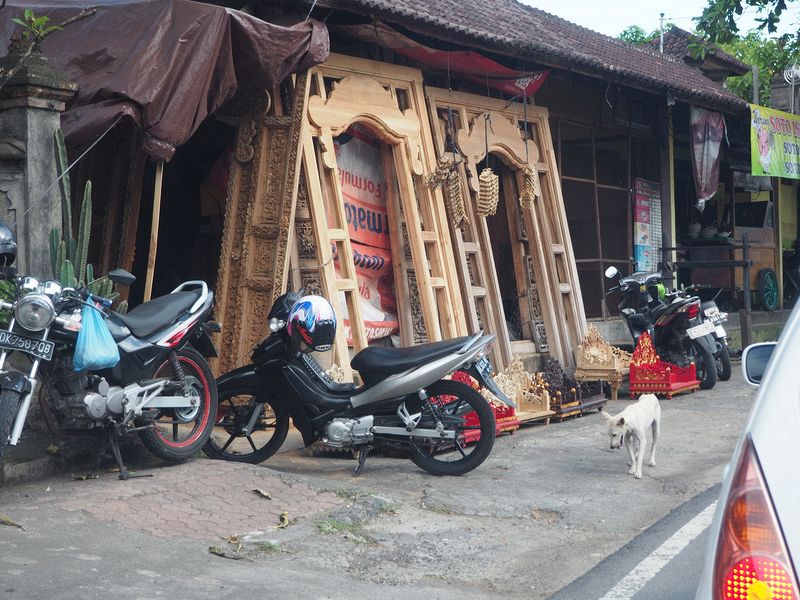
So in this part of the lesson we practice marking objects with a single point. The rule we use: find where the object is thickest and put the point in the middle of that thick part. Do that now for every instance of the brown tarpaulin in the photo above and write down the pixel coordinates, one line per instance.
(167, 64)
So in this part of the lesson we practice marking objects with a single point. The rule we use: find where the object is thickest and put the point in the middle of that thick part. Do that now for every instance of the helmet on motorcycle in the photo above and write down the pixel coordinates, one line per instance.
(8, 246)
(312, 323)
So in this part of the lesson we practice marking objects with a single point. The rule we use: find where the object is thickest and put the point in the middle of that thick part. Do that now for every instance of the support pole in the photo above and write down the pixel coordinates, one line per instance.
(745, 317)
(151, 255)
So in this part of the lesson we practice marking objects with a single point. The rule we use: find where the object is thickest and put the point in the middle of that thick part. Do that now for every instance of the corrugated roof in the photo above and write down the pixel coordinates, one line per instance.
(515, 29)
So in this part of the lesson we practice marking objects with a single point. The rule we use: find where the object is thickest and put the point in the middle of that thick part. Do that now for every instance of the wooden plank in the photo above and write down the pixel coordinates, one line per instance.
(323, 244)
(418, 252)
(151, 255)
(399, 267)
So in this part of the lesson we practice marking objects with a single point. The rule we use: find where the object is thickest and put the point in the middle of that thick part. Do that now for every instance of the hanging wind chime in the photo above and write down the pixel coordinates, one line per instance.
(488, 182)
(529, 189)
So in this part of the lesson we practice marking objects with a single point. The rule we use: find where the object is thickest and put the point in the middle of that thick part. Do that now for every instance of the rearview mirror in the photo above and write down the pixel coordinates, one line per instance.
(611, 272)
(121, 277)
(755, 360)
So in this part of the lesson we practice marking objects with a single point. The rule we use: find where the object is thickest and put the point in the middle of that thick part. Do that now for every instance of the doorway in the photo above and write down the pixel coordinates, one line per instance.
(192, 213)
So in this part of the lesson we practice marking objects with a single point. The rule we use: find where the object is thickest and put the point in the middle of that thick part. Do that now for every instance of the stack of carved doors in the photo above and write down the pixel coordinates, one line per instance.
(548, 294)
(287, 223)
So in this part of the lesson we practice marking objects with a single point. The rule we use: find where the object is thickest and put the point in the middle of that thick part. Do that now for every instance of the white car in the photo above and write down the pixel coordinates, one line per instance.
(755, 535)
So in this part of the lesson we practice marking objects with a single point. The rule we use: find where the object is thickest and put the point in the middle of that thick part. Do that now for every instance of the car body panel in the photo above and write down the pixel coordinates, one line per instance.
(774, 428)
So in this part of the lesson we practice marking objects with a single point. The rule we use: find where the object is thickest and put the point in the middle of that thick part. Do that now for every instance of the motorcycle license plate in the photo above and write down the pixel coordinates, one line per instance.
(700, 330)
(484, 367)
(38, 348)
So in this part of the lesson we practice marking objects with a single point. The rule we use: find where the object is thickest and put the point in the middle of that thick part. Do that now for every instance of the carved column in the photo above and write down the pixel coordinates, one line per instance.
(258, 221)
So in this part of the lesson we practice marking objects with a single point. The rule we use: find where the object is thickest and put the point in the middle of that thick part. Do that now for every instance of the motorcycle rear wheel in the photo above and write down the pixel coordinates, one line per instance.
(442, 457)
(706, 366)
(236, 404)
(9, 402)
(178, 434)
(723, 363)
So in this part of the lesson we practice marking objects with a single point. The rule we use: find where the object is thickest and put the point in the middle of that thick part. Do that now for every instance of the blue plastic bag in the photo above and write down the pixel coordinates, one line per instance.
(96, 348)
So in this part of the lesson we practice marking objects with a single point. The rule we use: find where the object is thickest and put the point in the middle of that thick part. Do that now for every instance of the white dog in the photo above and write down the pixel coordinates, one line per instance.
(630, 427)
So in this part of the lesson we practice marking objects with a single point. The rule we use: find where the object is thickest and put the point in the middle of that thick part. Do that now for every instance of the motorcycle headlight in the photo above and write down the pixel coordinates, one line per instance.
(35, 312)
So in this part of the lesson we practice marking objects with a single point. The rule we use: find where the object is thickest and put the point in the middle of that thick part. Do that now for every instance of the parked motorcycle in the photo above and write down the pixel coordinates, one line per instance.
(162, 387)
(680, 335)
(791, 275)
(716, 317)
(447, 427)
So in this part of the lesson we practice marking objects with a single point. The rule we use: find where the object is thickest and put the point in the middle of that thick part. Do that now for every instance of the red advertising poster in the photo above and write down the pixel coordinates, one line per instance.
(363, 186)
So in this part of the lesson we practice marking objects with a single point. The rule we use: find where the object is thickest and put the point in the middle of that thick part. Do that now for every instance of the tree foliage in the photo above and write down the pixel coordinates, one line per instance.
(634, 34)
(771, 56)
(718, 21)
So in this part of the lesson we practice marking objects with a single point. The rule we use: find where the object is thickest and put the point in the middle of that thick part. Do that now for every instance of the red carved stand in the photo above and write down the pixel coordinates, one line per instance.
(505, 416)
(651, 375)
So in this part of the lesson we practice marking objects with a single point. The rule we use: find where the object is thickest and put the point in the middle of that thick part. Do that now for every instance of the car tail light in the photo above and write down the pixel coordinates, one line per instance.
(752, 562)
(693, 310)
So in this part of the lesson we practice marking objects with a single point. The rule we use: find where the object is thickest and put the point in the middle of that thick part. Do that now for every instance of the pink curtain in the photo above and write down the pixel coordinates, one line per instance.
(707, 129)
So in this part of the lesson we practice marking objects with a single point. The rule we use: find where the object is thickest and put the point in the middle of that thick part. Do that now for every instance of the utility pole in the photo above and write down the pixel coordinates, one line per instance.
(755, 84)
(661, 29)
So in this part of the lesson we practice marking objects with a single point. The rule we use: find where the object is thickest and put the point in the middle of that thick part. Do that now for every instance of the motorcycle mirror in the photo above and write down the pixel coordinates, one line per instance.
(611, 272)
(121, 277)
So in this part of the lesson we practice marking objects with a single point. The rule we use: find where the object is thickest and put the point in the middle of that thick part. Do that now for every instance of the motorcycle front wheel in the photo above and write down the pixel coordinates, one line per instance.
(705, 365)
(723, 362)
(460, 409)
(176, 434)
(236, 406)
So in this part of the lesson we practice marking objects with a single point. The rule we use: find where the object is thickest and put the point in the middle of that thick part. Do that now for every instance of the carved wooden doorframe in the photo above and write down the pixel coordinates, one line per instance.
(257, 233)
(390, 101)
(545, 221)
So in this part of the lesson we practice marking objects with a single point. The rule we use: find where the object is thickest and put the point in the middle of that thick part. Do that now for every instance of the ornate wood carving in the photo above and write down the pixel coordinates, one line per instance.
(260, 210)
(544, 228)
(597, 360)
(503, 136)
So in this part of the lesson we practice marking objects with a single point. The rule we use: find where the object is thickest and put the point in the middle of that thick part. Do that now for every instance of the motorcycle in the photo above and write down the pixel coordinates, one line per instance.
(716, 317)
(446, 426)
(162, 387)
(791, 274)
(674, 321)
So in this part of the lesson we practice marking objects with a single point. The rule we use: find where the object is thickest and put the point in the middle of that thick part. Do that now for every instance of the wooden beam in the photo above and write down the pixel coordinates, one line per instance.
(151, 255)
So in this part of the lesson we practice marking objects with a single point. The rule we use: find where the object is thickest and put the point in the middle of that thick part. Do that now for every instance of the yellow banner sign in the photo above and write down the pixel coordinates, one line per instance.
(774, 142)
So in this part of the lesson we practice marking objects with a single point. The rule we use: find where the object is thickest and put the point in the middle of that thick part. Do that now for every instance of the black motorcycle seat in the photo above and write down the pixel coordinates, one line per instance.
(382, 360)
(658, 311)
(149, 317)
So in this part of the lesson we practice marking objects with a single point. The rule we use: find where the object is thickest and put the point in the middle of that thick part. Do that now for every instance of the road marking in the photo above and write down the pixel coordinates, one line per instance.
(660, 557)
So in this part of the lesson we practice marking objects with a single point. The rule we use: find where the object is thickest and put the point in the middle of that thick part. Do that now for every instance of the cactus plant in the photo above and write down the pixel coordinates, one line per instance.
(68, 255)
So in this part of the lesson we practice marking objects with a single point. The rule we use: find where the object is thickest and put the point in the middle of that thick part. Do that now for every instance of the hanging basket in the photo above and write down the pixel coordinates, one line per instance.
(529, 190)
(454, 199)
(446, 176)
(488, 192)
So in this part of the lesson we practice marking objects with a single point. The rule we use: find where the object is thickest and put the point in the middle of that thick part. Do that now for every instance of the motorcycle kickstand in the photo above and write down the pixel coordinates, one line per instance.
(113, 440)
(363, 452)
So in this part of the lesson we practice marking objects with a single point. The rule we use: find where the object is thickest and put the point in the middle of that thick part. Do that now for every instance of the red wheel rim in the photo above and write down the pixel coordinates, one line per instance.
(199, 427)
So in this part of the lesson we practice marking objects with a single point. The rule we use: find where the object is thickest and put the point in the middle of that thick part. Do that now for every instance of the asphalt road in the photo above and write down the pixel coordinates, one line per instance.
(664, 562)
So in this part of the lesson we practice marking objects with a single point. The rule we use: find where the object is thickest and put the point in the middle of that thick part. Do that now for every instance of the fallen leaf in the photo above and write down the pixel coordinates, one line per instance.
(4, 520)
(232, 555)
(283, 522)
(262, 493)
(53, 449)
